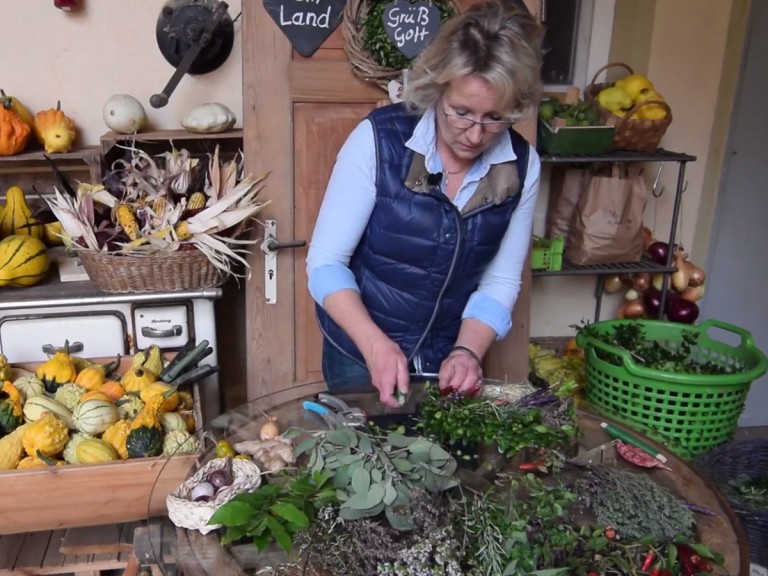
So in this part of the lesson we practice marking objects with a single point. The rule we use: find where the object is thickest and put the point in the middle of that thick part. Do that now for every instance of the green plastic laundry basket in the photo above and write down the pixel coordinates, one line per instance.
(689, 413)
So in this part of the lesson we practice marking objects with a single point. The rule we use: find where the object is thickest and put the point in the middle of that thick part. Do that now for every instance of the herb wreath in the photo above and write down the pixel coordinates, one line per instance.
(376, 42)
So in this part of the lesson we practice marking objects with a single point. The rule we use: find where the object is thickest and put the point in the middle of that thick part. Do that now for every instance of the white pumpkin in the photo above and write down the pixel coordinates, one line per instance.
(124, 114)
(209, 118)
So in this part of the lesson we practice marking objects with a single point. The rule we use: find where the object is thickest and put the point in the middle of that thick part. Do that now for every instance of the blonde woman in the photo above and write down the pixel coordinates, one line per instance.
(416, 258)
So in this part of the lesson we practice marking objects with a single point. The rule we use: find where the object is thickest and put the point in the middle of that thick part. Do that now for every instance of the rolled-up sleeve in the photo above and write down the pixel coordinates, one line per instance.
(347, 206)
(495, 297)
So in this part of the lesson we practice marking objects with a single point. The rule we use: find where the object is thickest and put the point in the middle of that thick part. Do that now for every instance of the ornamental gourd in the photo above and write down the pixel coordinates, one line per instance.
(95, 451)
(14, 134)
(69, 395)
(34, 409)
(30, 386)
(12, 449)
(55, 130)
(39, 461)
(113, 389)
(23, 261)
(209, 118)
(17, 216)
(70, 450)
(10, 408)
(57, 370)
(116, 435)
(91, 378)
(171, 396)
(11, 103)
(145, 437)
(6, 372)
(95, 416)
(136, 379)
(46, 436)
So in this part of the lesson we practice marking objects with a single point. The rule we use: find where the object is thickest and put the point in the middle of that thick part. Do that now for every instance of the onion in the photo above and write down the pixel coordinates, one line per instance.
(641, 281)
(202, 492)
(652, 301)
(682, 310)
(612, 283)
(631, 294)
(658, 281)
(269, 431)
(634, 309)
(696, 276)
(220, 478)
(680, 276)
(693, 293)
(658, 252)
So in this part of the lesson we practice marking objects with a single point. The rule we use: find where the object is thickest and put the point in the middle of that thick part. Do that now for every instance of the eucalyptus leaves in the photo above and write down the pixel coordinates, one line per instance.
(374, 474)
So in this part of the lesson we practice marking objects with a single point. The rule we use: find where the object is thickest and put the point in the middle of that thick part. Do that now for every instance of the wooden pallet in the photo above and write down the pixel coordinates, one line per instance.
(81, 551)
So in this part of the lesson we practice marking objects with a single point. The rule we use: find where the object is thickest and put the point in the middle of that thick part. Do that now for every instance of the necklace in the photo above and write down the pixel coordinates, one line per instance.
(447, 175)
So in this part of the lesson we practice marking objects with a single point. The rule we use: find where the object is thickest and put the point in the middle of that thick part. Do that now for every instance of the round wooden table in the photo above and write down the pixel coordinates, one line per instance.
(195, 554)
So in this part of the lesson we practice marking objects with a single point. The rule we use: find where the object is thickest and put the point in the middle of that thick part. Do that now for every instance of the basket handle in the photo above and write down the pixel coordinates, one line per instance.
(626, 359)
(611, 65)
(747, 341)
(627, 116)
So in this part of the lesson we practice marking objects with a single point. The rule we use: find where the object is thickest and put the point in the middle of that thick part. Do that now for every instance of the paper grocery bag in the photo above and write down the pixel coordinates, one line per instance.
(607, 226)
(566, 187)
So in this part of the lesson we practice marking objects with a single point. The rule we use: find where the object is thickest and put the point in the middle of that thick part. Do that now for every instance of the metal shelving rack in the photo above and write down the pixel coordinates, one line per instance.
(644, 265)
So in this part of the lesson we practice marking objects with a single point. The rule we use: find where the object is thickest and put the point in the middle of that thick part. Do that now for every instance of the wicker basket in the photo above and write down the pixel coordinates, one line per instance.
(728, 462)
(191, 515)
(631, 133)
(363, 66)
(156, 272)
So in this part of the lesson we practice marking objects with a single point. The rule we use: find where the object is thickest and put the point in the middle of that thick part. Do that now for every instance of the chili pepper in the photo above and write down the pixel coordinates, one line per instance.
(689, 560)
(654, 572)
(706, 566)
(538, 466)
(665, 572)
(649, 558)
(224, 449)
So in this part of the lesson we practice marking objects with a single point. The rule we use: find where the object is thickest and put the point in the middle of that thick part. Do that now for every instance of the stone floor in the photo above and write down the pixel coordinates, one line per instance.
(748, 433)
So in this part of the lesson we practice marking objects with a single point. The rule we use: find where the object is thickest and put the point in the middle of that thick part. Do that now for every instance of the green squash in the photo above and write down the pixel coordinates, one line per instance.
(10, 408)
(143, 442)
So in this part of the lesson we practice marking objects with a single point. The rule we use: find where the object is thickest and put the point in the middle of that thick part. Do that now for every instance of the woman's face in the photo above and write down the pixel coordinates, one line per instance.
(468, 121)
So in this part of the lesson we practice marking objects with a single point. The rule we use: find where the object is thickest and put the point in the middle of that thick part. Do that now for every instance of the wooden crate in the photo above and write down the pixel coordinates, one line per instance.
(74, 496)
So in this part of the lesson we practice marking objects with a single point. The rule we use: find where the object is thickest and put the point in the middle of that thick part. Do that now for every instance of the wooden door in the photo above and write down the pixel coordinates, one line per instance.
(297, 113)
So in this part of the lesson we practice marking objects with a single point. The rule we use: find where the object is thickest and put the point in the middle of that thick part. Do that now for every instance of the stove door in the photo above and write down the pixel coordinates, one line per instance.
(34, 337)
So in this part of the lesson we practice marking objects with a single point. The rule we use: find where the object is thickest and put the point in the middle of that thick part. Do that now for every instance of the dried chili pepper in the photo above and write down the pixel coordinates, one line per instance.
(538, 466)
(649, 558)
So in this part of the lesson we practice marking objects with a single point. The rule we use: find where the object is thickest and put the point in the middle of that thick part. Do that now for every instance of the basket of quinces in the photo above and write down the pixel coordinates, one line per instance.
(162, 223)
(632, 104)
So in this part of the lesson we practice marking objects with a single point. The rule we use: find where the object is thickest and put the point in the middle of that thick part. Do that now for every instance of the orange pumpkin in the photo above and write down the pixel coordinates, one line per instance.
(14, 134)
(54, 129)
(113, 389)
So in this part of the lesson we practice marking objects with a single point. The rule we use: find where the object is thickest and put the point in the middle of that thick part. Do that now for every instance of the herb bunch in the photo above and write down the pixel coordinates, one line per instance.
(750, 492)
(677, 357)
(456, 418)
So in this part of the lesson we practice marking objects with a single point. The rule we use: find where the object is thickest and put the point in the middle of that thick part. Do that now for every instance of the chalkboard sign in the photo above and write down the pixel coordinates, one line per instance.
(411, 26)
(306, 23)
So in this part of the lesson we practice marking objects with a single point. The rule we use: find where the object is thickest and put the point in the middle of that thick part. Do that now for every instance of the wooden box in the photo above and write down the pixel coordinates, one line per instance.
(89, 495)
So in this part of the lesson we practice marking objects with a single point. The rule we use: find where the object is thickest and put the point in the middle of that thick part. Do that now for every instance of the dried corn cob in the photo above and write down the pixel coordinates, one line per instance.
(127, 220)
(182, 230)
(159, 205)
(196, 201)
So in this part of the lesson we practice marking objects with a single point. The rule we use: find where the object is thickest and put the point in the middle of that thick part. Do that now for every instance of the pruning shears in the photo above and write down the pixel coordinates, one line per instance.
(336, 412)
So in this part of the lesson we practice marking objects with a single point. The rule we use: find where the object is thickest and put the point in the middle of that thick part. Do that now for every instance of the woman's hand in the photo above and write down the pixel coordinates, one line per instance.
(461, 372)
(388, 367)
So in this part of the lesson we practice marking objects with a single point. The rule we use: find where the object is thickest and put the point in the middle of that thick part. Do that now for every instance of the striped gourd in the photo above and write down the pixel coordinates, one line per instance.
(23, 261)
(35, 407)
(95, 416)
(17, 216)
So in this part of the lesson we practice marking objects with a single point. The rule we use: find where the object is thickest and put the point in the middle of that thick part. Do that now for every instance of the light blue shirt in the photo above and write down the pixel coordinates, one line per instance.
(350, 199)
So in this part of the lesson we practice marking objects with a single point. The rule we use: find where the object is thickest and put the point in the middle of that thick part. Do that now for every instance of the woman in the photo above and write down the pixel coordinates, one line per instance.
(416, 258)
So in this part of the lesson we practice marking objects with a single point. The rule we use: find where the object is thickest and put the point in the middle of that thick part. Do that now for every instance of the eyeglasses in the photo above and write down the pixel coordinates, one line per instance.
(463, 123)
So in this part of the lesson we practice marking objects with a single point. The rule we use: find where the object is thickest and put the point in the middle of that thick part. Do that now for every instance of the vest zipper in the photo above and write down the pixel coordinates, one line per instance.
(459, 238)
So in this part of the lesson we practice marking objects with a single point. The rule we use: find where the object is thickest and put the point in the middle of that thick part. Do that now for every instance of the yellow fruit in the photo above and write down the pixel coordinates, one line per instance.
(651, 111)
(58, 139)
(614, 99)
(634, 84)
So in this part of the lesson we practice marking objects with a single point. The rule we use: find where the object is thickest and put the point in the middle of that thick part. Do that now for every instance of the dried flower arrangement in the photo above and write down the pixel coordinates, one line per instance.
(148, 206)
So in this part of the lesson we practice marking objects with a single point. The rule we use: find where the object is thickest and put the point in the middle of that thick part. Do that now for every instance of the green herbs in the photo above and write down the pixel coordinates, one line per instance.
(752, 493)
(374, 474)
(376, 42)
(634, 504)
(677, 357)
(275, 512)
(454, 418)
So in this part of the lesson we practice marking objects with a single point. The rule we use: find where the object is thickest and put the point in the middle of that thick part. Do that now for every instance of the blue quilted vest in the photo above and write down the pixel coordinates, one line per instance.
(420, 258)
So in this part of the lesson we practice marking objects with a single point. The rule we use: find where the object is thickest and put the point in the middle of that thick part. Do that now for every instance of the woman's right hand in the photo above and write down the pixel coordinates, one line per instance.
(388, 367)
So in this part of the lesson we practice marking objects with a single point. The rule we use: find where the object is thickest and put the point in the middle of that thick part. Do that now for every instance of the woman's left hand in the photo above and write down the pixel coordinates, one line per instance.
(460, 372)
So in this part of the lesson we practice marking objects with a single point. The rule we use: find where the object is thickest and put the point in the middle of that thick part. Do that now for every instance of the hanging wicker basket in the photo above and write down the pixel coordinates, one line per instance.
(362, 63)
(631, 133)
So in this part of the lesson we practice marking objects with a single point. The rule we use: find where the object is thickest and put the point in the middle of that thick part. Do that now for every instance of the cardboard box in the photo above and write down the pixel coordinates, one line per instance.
(89, 495)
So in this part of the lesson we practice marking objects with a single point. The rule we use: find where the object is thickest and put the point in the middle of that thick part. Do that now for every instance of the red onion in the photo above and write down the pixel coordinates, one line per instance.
(659, 252)
(682, 310)
(652, 301)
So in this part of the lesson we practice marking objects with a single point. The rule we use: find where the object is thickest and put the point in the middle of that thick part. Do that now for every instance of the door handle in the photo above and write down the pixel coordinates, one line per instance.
(74, 348)
(150, 332)
(270, 245)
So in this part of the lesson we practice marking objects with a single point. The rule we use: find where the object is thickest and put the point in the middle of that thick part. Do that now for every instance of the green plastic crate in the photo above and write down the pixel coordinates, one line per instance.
(689, 413)
(575, 140)
(547, 254)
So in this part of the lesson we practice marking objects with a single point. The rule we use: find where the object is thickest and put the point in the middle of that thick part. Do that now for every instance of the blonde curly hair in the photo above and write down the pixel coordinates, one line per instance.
(501, 43)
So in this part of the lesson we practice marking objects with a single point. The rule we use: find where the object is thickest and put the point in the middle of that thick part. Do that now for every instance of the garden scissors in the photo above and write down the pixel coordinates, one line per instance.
(336, 412)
